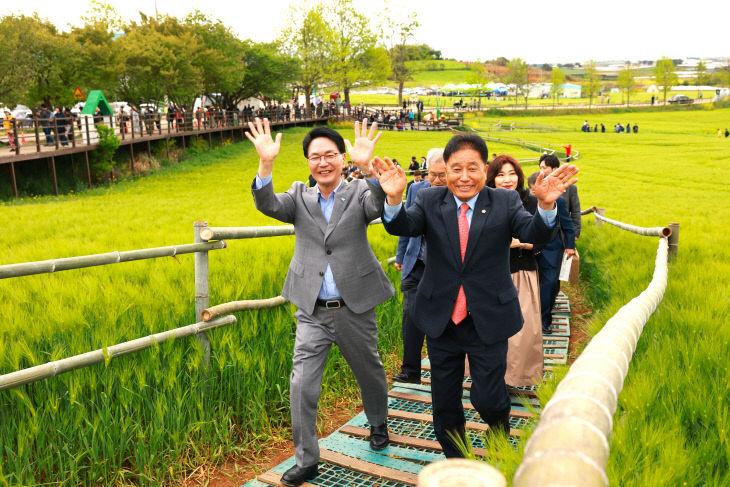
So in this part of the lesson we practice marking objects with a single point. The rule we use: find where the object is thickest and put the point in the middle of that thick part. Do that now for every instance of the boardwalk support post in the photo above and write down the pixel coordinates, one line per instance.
(202, 296)
(673, 241)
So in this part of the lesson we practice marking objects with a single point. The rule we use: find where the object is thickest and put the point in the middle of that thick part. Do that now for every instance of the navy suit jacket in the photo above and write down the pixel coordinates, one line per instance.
(491, 296)
(410, 247)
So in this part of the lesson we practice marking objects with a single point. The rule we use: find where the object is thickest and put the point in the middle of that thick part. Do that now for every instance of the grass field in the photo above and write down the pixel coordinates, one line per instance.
(151, 417)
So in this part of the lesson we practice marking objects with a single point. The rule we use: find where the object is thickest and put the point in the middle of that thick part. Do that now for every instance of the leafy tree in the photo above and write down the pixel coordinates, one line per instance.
(16, 63)
(666, 75)
(501, 61)
(518, 74)
(220, 58)
(34, 62)
(267, 72)
(557, 78)
(395, 35)
(478, 75)
(701, 76)
(97, 59)
(308, 38)
(626, 81)
(356, 57)
(591, 81)
(160, 56)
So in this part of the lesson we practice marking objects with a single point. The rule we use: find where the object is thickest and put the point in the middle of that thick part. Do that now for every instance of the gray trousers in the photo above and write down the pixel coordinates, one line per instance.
(356, 335)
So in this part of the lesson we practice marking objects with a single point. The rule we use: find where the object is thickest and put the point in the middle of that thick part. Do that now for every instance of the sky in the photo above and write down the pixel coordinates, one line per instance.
(558, 31)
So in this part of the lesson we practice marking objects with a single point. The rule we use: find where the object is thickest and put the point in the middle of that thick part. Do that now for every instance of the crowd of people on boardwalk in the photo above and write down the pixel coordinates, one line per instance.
(617, 128)
(477, 252)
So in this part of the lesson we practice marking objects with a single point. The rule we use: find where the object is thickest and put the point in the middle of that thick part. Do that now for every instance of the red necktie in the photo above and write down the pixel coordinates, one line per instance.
(459, 312)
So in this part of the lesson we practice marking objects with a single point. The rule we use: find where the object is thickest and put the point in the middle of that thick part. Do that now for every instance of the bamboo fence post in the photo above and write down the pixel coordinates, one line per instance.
(599, 211)
(52, 369)
(202, 296)
(673, 241)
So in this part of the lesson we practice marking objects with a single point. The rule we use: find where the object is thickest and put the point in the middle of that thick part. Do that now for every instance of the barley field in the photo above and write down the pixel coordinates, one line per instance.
(152, 417)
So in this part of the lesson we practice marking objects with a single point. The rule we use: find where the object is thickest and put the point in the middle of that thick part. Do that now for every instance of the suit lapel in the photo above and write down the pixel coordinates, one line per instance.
(311, 201)
(478, 219)
(342, 199)
(448, 213)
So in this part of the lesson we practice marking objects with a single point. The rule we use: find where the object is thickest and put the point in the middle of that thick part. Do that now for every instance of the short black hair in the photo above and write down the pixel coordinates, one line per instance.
(466, 141)
(550, 160)
(325, 132)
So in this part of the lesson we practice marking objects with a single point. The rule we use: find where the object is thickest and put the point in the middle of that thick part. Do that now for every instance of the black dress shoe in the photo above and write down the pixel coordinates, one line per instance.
(547, 330)
(410, 379)
(379, 437)
(296, 475)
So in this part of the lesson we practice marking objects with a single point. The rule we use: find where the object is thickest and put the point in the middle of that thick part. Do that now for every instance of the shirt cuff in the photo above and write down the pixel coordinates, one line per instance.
(548, 216)
(390, 212)
(261, 182)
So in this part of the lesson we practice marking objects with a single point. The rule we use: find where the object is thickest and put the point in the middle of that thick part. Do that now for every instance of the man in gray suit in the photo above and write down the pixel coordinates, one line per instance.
(334, 278)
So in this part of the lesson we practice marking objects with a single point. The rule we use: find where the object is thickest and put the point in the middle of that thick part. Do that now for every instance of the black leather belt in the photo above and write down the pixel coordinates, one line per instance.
(331, 303)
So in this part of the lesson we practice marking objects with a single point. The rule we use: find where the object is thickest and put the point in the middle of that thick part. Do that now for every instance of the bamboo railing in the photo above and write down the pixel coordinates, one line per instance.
(570, 444)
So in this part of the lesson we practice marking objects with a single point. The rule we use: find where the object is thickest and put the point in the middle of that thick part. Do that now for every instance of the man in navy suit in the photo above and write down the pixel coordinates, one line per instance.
(466, 303)
(410, 261)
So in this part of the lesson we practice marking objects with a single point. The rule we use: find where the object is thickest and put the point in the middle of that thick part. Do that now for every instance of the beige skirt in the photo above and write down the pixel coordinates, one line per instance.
(525, 355)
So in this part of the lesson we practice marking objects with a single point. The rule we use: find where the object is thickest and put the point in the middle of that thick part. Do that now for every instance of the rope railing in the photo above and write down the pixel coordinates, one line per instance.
(570, 444)
(540, 147)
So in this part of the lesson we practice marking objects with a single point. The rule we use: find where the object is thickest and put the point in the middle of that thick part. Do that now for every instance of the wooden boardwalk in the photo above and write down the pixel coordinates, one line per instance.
(346, 459)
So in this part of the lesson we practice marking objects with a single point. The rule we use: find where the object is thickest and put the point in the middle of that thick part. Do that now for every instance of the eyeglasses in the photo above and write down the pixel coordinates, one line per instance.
(441, 175)
(328, 157)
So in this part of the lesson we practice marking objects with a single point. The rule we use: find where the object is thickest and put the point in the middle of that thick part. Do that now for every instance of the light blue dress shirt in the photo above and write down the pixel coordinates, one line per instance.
(329, 288)
(548, 216)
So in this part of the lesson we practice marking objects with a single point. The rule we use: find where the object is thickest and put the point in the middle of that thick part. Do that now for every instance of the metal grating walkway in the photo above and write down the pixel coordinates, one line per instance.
(346, 459)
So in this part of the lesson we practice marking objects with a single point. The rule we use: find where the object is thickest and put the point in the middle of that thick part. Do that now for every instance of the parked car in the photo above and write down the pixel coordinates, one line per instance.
(680, 100)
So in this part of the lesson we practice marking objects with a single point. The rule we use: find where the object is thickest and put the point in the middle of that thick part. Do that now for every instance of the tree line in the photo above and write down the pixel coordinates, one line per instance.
(163, 58)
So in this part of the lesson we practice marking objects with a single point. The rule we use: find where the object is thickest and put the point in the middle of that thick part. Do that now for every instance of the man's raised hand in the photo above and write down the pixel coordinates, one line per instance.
(392, 179)
(267, 148)
(362, 152)
(549, 188)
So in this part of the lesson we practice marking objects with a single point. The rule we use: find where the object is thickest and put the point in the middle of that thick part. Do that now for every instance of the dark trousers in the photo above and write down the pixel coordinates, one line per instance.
(549, 261)
(487, 365)
(412, 336)
(49, 137)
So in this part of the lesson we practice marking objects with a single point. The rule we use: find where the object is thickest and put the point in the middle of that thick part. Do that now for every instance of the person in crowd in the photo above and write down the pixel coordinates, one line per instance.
(727, 133)
(628, 128)
(334, 304)
(548, 164)
(350, 167)
(410, 260)
(98, 117)
(417, 178)
(70, 119)
(466, 303)
(524, 351)
(424, 164)
(44, 117)
(603, 128)
(532, 178)
(60, 123)
(551, 257)
(413, 164)
(636, 128)
(8, 124)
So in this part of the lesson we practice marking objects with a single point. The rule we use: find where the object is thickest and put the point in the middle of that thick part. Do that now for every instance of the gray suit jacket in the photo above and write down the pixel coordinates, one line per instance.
(343, 243)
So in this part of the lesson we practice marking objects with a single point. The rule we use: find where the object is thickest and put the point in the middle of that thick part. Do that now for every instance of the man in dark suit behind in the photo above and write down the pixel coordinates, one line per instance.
(466, 303)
